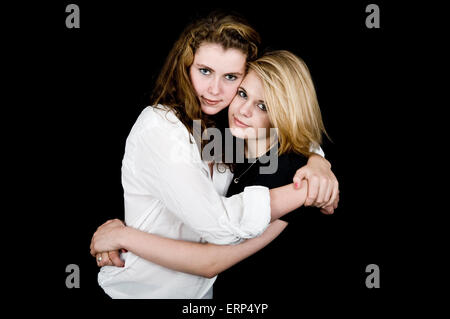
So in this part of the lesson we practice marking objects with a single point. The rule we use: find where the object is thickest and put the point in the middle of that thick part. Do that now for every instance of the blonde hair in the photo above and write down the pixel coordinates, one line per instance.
(173, 86)
(291, 101)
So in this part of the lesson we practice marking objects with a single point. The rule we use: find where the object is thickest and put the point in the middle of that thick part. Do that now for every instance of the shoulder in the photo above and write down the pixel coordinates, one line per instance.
(283, 170)
(156, 116)
(158, 122)
(292, 160)
(159, 134)
(289, 163)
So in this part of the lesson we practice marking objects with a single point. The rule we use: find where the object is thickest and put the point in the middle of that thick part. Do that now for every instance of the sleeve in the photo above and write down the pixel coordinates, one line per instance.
(317, 149)
(169, 167)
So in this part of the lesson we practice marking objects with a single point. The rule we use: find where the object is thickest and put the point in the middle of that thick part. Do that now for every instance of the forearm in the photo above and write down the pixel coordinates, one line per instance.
(226, 256)
(286, 198)
(178, 255)
(200, 259)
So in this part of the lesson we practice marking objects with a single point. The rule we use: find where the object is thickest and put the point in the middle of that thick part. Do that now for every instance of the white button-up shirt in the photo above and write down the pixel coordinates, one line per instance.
(168, 191)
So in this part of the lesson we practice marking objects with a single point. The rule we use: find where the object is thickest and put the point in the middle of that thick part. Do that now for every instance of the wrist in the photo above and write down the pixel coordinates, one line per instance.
(122, 236)
(316, 158)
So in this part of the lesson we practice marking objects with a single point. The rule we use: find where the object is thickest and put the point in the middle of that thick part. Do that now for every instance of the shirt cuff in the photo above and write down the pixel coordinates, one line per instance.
(317, 149)
(256, 213)
(255, 217)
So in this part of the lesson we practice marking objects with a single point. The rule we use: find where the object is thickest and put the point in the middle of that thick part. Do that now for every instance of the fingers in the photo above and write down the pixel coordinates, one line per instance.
(99, 236)
(103, 259)
(324, 192)
(106, 258)
(329, 197)
(334, 193)
(299, 176)
(335, 204)
(98, 259)
(313, 190)
(115, 258)
(110, 258)
(93, 252)
(323, 187)
(328, 210)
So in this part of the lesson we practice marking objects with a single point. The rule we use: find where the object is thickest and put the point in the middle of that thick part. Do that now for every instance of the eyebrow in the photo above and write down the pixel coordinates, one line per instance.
(245, 91)
(210, 68)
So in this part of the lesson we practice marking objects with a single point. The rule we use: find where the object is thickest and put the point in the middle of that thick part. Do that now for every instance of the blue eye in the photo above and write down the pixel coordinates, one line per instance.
(242, 94)
(204, 71)
(262, 107)
(230, 77)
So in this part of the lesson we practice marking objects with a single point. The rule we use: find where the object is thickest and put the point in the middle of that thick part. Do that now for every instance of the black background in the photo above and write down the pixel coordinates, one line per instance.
(82, 90)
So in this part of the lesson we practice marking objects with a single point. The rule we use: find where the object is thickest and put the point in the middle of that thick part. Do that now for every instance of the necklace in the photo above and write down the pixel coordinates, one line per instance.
(236, 180)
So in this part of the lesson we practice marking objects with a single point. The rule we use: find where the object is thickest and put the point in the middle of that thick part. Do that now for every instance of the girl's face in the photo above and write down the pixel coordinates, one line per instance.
(247, 112)
(215, 75)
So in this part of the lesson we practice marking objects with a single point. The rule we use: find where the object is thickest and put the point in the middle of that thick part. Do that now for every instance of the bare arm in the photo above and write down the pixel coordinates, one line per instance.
(287, 198)
(200, 259)
(150, 168)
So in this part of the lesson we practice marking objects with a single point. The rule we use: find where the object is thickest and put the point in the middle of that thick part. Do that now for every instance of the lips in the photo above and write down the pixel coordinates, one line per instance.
(210, 102)
(239, 123)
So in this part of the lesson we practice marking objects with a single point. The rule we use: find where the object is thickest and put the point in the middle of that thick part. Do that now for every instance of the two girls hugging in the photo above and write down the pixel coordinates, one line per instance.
(188, 219)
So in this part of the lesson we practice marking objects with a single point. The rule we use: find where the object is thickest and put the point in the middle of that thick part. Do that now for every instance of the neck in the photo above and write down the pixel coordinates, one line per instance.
(257, 147)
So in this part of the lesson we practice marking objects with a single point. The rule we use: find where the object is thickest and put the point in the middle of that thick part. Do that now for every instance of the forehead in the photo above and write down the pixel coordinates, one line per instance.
(219, 59)
(253, 85)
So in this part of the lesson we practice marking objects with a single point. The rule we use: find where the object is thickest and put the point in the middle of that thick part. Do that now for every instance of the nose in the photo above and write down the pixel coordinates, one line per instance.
(214, 86)
(246, 109)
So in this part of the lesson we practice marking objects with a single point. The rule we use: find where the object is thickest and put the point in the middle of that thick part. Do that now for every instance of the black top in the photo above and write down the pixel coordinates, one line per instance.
(279, 268)
(249, 174)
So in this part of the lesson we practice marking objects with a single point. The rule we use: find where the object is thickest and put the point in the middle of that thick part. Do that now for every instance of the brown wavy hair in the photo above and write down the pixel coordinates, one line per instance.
(173, 87)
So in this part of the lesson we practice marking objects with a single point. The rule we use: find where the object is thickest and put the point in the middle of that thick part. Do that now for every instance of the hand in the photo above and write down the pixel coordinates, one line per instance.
(110, 258)
(105, 240)
(328, 210)
(323, 187)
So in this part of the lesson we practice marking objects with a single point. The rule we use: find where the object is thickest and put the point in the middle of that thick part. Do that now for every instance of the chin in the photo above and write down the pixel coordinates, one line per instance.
(235, 132)
(239, 132)
(212, 110)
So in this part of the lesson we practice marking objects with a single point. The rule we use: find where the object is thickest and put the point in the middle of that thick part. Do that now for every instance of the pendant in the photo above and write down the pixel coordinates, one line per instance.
(236, 180)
